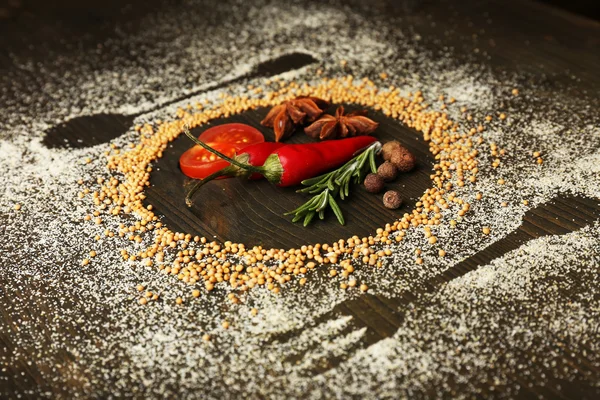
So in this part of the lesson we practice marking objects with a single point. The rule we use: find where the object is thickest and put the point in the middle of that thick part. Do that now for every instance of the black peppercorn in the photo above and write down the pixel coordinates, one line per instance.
(392, 199)
(388, 149)
(403, 159)
(387, 171)
(373, 183)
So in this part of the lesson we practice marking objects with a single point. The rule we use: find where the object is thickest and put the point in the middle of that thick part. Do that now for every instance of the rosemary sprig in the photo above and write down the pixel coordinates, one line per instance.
(327, 186)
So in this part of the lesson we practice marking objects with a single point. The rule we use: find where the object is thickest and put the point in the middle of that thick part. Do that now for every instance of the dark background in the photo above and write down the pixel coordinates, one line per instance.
(586, 8)
(23, 22)
(14, 10)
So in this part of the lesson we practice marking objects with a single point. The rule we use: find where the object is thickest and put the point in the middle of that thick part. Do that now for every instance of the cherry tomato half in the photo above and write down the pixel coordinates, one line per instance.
(229, 139)
(241, 134)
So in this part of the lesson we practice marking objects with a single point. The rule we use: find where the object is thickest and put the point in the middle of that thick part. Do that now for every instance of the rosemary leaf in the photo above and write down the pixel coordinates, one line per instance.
(336, 210)
(326, 187)
(308, 217)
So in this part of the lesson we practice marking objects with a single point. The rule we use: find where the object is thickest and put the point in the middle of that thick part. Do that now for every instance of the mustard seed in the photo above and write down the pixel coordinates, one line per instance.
(456, 161)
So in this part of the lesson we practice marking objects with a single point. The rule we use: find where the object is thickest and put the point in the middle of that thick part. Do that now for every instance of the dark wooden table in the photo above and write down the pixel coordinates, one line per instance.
(525, 36)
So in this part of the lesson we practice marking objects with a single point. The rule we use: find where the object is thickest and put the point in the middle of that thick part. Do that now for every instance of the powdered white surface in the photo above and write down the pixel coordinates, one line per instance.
(522, 315)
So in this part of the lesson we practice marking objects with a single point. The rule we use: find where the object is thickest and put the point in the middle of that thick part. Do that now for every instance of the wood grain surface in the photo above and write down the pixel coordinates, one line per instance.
(252, 212)
(526, 36)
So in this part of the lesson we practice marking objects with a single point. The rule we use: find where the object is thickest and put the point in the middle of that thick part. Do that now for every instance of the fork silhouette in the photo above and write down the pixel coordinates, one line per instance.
(381, 316)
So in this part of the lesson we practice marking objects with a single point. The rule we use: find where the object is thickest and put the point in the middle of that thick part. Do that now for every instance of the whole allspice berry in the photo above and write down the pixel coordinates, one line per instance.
(392, 199)
(389, 148)
(387, 171)
(374, 183)
(403, 159)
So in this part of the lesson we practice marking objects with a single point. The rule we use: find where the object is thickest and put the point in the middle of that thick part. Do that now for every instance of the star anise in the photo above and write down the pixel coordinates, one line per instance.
(285, 117)
(340, 126)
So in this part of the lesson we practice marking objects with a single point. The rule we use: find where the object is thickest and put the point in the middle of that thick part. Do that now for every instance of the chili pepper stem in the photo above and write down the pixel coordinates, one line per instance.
(227, 171)
(272, 168)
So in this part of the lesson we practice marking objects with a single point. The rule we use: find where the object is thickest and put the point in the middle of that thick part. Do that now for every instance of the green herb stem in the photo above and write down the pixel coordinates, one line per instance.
(327, 186)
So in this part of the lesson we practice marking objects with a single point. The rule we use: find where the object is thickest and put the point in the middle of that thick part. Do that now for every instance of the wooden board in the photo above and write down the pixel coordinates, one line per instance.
(252, 212)
(527, 36)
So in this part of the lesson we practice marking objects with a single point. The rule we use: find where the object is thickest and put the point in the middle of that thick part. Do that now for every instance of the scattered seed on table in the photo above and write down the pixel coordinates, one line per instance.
(453, 156)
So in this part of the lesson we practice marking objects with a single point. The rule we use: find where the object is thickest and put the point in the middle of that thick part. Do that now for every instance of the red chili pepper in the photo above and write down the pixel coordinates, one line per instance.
(253, 155)
(293, 163)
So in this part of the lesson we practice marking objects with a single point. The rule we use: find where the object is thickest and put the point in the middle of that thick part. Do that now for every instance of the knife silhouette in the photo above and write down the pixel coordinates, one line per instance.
(91, 130)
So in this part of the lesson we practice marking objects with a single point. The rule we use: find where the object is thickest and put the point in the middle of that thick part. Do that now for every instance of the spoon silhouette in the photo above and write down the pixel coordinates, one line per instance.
(91, 130)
